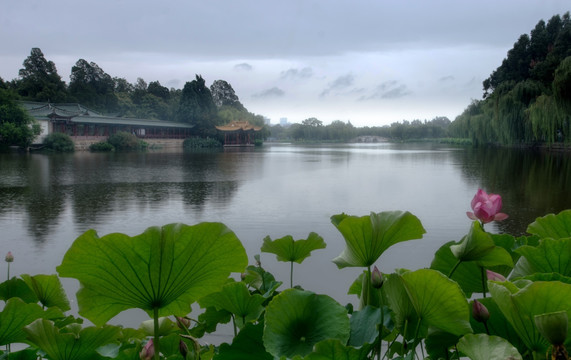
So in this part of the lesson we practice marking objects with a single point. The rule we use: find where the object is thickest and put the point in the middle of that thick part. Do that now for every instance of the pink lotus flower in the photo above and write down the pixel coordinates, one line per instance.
(494, 276)
(486, 207)
(148, 351)
(479, 312)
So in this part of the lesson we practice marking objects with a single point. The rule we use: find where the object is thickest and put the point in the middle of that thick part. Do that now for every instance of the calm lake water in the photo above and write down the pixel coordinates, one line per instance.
(46, 201)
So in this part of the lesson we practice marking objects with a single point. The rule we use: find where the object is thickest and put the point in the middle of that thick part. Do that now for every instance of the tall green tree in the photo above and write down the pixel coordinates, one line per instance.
(197, 107)
(17, 128)
(223, 95)
(39, 80)
(92, 87)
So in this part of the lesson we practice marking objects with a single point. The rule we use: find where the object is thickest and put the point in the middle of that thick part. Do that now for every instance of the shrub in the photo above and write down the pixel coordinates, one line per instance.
(125, 141)
(200, 143)
(59, 142)
(101, 146)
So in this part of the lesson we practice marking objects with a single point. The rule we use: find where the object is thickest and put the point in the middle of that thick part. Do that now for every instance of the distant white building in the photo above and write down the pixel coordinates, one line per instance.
(267, 121)
(283, 121)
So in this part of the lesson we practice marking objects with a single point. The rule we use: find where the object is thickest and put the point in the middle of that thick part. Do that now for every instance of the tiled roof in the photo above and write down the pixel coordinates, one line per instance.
(80, 114)
(238, 125)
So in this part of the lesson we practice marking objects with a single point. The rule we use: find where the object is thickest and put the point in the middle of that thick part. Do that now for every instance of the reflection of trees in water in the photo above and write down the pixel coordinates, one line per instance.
(91, 202)
(44, 209)
(531, 183)
(196, 194)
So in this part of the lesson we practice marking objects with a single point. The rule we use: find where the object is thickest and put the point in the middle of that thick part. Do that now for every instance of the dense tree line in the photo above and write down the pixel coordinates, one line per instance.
(312, 129)
(527, 99)
(205, 107)
(91, 86)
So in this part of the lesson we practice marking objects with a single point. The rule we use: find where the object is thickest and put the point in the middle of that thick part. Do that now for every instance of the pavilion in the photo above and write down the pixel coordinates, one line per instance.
(239, 133)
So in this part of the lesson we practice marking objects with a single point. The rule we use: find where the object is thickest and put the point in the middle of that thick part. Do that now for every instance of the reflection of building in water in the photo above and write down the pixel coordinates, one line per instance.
(82, 123)
(239, 133)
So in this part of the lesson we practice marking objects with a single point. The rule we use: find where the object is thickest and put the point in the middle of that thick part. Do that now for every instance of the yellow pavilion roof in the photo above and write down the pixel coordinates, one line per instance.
(239, 125)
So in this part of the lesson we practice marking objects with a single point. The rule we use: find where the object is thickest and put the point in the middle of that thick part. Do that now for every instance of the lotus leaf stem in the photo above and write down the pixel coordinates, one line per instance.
(156, 343)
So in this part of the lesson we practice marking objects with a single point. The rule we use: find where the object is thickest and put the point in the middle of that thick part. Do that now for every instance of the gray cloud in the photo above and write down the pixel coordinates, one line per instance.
(341, 83)
(270, 93)
(447, 78)
(397, 92)
(391, 89)
(243, 67)
(303, 73)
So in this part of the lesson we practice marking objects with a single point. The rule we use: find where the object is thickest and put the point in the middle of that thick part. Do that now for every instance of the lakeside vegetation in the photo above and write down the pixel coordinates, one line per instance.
(526, 100)
(488, 294)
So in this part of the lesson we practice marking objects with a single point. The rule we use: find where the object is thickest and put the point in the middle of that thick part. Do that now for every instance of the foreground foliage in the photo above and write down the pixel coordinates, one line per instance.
(487, 296)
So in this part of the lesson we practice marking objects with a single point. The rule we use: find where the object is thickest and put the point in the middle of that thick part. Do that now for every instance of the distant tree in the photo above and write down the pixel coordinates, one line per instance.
(155, 88)
(17, 128)
(121, 85)
(223, 95)
(197, 107)
(92, 86)
(40, 80)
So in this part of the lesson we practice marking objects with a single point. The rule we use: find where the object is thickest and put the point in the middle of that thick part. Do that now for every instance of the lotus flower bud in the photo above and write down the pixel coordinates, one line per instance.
(493, 276)
(479, 312)
(553, 326)
(148, 351)
(183, 348)
(182, 322)
(9, 257)
(376, 278)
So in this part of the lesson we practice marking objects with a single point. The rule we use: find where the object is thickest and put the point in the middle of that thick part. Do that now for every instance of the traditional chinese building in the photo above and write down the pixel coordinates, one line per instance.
(239, 133)
(81, 123)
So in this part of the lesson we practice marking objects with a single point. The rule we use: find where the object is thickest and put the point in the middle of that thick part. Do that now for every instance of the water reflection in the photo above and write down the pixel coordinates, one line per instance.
(532, 183)
(94, 186)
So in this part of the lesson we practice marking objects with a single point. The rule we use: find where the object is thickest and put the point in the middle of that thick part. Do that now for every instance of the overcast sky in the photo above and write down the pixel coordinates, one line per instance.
(371, 62)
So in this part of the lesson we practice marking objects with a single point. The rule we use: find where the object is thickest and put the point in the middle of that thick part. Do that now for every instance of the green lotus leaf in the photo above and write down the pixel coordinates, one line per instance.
(208, 321)
(553, 326)
(333, 349)
(438, 343)
(468, 274)
(365, 326)
(286, 249)
(479, 246)
(548, 277)
(48, 290)
(551, 256)
(437, 300)
(521, 305)
(261, 280)
(17, 314)
(246, 345)
(296, 320)
(164, 268)
(236, 299)
(497, 325)
(28, 353)
(400, 303)
(70, 345)
(17, 288)
(367, 237)
(485, 347)
(552, 226)
(166, 327)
